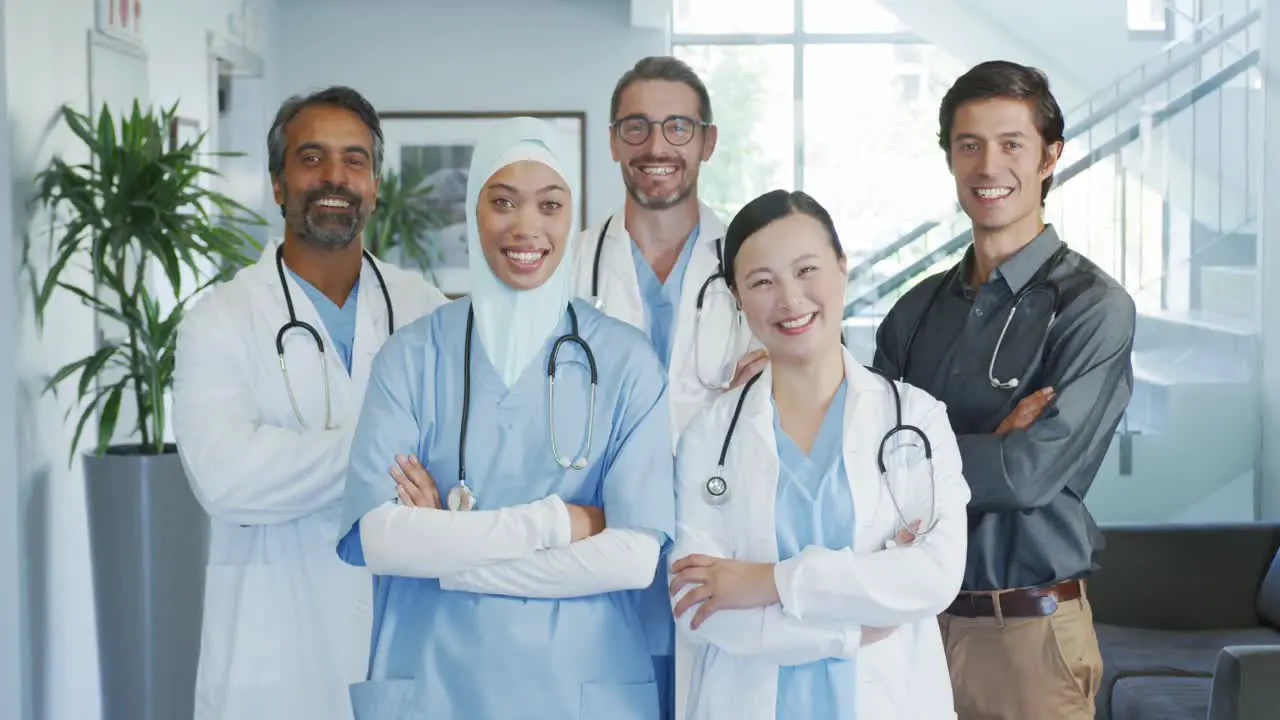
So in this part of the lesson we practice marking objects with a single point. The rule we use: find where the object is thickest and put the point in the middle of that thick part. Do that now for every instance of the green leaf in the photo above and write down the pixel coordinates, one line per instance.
(135, 211)
(402, 221)
(110, 412)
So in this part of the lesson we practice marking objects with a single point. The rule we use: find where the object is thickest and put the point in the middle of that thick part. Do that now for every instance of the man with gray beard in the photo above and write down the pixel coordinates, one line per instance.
(270, 373)
(655, 264)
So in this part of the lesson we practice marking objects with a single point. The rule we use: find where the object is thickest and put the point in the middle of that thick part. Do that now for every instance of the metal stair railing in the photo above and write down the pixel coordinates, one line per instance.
(1175, 58)
(955, 227)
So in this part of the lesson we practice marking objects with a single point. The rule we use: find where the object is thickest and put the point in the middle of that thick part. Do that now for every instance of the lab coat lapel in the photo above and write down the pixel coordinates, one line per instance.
(703, 262)
(862, 432)
(757, 450)
(619, 286)
(300, 352)
(718, 327)
(371, 328)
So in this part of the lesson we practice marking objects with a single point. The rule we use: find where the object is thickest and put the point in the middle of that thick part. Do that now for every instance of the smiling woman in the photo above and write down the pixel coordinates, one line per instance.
(437, 147)
(788, 272)
(780, 612)
(519, 571)
(524, 216)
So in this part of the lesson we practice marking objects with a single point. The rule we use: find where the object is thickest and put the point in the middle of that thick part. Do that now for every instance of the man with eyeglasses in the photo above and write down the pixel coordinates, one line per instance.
(656, 265)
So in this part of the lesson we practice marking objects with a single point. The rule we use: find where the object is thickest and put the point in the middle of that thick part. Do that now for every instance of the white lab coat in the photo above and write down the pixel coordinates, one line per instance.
(286, 622)
(620, 295)
(827, 596)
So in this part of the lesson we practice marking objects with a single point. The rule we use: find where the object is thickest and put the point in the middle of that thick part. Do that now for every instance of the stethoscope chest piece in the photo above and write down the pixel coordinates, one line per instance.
(461, 499)
(716, 490)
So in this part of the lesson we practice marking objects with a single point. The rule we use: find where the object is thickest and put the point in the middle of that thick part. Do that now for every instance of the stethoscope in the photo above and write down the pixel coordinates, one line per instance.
(296, 324)
(598, 303)
(1039, 282)
(716, 489)
(462, 497)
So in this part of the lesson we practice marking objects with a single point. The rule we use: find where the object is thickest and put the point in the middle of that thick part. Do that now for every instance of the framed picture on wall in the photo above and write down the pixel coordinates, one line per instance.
(435, 148)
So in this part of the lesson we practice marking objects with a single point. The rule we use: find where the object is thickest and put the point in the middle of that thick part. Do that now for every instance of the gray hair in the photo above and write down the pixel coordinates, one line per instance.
(336, 96)
(662, 67)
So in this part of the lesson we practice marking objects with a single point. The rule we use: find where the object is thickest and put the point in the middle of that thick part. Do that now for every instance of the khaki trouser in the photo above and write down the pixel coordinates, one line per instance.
(1036, 668)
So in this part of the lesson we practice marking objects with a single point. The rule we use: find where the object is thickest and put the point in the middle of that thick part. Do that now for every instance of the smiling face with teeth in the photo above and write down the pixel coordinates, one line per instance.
(327, 187)
(790, 282)
(523, 217)
(999, 160)
(657, 174)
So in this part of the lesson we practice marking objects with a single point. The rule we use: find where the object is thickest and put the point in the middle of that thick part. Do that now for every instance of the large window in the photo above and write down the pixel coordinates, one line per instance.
(834, 97)
(1157, 187)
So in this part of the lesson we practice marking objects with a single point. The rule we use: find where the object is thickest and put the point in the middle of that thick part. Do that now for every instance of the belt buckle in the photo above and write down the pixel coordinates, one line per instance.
(1048, 604)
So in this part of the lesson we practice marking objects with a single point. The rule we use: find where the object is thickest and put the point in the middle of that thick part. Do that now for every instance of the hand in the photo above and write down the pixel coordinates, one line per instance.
(721, 584)
(873, 635)
(749, 366)
(1027, 410)
(907, 535)
(414, 484)
(584, 521)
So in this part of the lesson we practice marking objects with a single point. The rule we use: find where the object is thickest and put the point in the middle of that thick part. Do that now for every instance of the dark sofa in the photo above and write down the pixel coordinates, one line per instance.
(1188, 621)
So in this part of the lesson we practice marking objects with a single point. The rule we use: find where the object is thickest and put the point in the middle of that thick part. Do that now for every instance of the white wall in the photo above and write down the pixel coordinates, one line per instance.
(1082, 44)
(14, 698)
(495, 55)
(46, 61)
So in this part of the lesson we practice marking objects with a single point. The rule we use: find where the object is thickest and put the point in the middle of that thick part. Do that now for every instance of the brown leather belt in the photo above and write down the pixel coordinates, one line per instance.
(1022, 602)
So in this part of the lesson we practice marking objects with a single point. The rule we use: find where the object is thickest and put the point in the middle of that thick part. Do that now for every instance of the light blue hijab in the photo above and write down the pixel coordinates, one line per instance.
(514, 324)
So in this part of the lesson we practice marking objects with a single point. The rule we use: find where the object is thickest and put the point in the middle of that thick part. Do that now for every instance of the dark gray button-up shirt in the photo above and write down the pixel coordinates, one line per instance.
(1028, 525)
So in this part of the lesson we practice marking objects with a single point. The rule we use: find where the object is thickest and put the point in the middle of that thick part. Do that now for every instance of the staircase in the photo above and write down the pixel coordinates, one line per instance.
(1157, 184)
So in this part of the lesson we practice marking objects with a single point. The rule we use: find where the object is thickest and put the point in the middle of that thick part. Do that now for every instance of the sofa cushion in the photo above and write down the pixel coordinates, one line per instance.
(1269, 594)
(1161, 698)
(1133, 652)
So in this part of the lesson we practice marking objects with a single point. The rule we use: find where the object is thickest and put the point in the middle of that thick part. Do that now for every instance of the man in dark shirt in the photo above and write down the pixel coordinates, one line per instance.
(1028, 344)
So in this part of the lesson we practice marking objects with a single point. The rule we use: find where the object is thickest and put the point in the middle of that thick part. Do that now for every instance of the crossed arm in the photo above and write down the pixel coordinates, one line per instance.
(821, 603)
(566, 552)
(545, 548)
(1054, 436)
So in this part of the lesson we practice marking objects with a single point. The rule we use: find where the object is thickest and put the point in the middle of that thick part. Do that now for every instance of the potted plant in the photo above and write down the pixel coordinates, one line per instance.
(398, 229)
(137, 210)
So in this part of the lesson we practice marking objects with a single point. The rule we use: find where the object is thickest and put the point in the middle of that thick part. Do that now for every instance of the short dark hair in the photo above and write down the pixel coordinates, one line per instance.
(662, 67)
(1004, 79)
(768, 208)
(336, 96)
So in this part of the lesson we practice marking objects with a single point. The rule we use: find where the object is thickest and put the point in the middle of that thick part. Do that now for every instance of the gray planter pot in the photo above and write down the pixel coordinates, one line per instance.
(149, 541)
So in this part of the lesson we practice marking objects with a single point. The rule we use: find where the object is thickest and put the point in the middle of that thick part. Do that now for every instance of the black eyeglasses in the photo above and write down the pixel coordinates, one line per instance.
(677, 129)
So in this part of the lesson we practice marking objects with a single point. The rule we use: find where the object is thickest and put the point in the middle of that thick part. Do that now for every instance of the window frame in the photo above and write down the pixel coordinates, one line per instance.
(798, 40)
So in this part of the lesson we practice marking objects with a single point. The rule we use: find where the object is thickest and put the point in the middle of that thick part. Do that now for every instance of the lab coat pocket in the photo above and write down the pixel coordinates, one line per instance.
(383, 699)
(618, 701)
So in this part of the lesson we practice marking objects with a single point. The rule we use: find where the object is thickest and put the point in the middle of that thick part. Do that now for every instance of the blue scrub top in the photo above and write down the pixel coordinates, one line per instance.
(339, 321)
(815, 507)
(453, 655)
(662, 300)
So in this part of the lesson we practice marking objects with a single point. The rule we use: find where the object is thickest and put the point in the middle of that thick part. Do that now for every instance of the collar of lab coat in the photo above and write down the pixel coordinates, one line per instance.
(620, 288)
(371, 311)
(866, 400)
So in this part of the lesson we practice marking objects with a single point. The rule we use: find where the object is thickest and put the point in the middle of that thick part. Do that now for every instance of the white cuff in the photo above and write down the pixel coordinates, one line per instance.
(785, 579)
(430, 543)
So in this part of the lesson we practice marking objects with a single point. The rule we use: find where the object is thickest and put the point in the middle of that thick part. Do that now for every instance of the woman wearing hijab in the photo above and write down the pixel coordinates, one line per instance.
(516, 595)
(814, 551)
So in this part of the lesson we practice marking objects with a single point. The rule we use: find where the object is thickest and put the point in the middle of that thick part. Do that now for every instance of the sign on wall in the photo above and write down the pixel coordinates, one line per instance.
(120, 19)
